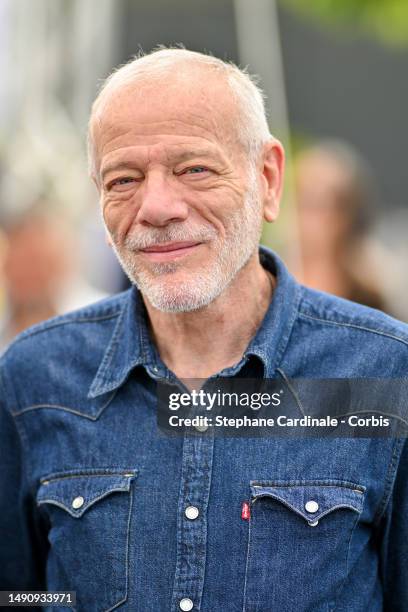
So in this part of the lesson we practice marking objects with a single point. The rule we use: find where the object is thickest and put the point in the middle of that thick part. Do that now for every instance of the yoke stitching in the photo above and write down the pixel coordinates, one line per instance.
(67, 409)
(34, 332)
(355, 326)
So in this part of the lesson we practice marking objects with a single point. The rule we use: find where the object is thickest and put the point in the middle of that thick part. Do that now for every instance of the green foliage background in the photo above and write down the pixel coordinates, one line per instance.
(386, 19)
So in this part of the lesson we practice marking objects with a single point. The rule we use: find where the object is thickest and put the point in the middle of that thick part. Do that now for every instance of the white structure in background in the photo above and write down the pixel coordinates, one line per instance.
(53, 54)
(259, 47)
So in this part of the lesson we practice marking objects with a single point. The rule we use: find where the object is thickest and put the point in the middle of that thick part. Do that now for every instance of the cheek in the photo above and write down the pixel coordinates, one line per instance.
(119, 217)
(218, 206)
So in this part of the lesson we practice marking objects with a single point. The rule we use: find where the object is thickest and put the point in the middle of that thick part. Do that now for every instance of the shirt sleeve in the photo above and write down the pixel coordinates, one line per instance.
(394, 557)
(22, 549)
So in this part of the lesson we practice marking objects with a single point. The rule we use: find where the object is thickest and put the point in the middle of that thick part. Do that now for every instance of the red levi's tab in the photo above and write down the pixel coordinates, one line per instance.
(245, 511)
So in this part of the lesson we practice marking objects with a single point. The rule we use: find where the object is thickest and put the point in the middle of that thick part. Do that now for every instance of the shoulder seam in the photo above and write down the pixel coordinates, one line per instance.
(355, 326)
(44, 328)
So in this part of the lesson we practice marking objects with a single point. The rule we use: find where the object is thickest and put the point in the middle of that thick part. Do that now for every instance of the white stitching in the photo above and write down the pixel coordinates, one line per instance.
(355, 326)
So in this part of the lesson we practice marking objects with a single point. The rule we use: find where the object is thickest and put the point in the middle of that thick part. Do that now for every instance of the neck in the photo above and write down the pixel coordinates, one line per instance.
(200, 343)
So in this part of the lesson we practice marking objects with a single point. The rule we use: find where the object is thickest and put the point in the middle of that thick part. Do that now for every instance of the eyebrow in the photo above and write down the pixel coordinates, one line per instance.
(122, 165)
(125, 165)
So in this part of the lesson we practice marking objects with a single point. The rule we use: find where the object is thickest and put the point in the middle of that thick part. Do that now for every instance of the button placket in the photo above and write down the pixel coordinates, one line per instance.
(192, 522)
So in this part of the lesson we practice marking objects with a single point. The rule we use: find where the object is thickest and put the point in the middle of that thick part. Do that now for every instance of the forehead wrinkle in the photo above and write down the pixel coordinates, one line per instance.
(117, 121)
(128, 138)
(212, 117)
(188, 148)
(141, 130)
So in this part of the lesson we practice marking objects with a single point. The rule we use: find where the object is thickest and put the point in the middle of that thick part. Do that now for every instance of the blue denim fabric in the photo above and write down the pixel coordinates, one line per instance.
(78, 422)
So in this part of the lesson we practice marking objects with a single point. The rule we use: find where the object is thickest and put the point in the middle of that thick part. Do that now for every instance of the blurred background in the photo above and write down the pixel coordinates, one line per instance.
(335, 75)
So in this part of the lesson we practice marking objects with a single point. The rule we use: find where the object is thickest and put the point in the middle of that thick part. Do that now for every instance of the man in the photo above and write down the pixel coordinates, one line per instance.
(97, 500)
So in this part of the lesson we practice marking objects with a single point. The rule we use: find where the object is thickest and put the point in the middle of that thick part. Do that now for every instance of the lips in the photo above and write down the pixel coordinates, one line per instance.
(169, 247)
(169, 251)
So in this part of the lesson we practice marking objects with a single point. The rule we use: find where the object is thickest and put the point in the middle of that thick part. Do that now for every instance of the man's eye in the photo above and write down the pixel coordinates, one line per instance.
(196, 170)
(121, 182)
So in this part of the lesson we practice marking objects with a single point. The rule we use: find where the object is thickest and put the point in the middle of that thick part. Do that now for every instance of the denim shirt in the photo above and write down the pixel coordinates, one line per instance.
(94, 496)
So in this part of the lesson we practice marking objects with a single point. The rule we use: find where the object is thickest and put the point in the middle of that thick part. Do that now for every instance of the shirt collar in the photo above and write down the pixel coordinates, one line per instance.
(131, 343)
(129, 346)
(271, 339)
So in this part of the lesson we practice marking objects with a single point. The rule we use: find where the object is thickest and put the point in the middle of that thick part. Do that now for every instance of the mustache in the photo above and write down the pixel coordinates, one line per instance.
(176, 232)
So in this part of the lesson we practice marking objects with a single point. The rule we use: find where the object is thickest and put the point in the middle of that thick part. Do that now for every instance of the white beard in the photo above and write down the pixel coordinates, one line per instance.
(158, 282)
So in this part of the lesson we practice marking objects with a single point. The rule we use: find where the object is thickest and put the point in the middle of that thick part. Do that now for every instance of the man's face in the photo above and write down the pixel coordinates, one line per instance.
(179, 199)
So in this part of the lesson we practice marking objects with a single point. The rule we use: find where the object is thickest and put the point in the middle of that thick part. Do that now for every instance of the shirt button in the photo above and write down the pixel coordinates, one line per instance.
(311, 506)
(191, 512)
(201, 428)
(78, 502)
(186, 604)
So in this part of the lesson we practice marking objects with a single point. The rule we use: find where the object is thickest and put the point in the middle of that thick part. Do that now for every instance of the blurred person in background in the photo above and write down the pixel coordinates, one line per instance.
(335, 197)
(40, 272)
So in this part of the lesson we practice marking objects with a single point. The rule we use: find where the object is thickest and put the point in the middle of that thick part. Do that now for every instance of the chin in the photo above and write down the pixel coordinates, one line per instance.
(182, 296)
(173, 288)
(166, 302)
(175, 306)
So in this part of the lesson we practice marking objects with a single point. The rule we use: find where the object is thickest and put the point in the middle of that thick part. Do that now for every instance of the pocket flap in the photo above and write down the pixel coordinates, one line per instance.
(311, 500)
(77, 490)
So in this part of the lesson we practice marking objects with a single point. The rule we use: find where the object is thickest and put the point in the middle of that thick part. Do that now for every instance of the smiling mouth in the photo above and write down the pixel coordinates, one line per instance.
(170, 250)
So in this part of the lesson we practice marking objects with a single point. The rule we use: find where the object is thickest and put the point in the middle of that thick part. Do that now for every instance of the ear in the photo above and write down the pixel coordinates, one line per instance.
(272, 171)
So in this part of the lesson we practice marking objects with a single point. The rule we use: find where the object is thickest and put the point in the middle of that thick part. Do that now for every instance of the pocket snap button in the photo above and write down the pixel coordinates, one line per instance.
(77, 502)
(311, 506)
(313, 523)
(186, 604)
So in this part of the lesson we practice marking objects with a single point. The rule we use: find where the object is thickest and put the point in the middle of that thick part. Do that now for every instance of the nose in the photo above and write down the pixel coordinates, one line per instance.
(160, 201)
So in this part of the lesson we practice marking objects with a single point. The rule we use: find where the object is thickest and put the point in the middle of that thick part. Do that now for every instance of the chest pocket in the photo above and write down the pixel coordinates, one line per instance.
(299, 538)
(89, 524)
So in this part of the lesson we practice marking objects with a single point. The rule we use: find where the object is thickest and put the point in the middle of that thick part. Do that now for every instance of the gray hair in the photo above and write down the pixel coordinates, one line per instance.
(252, 125)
